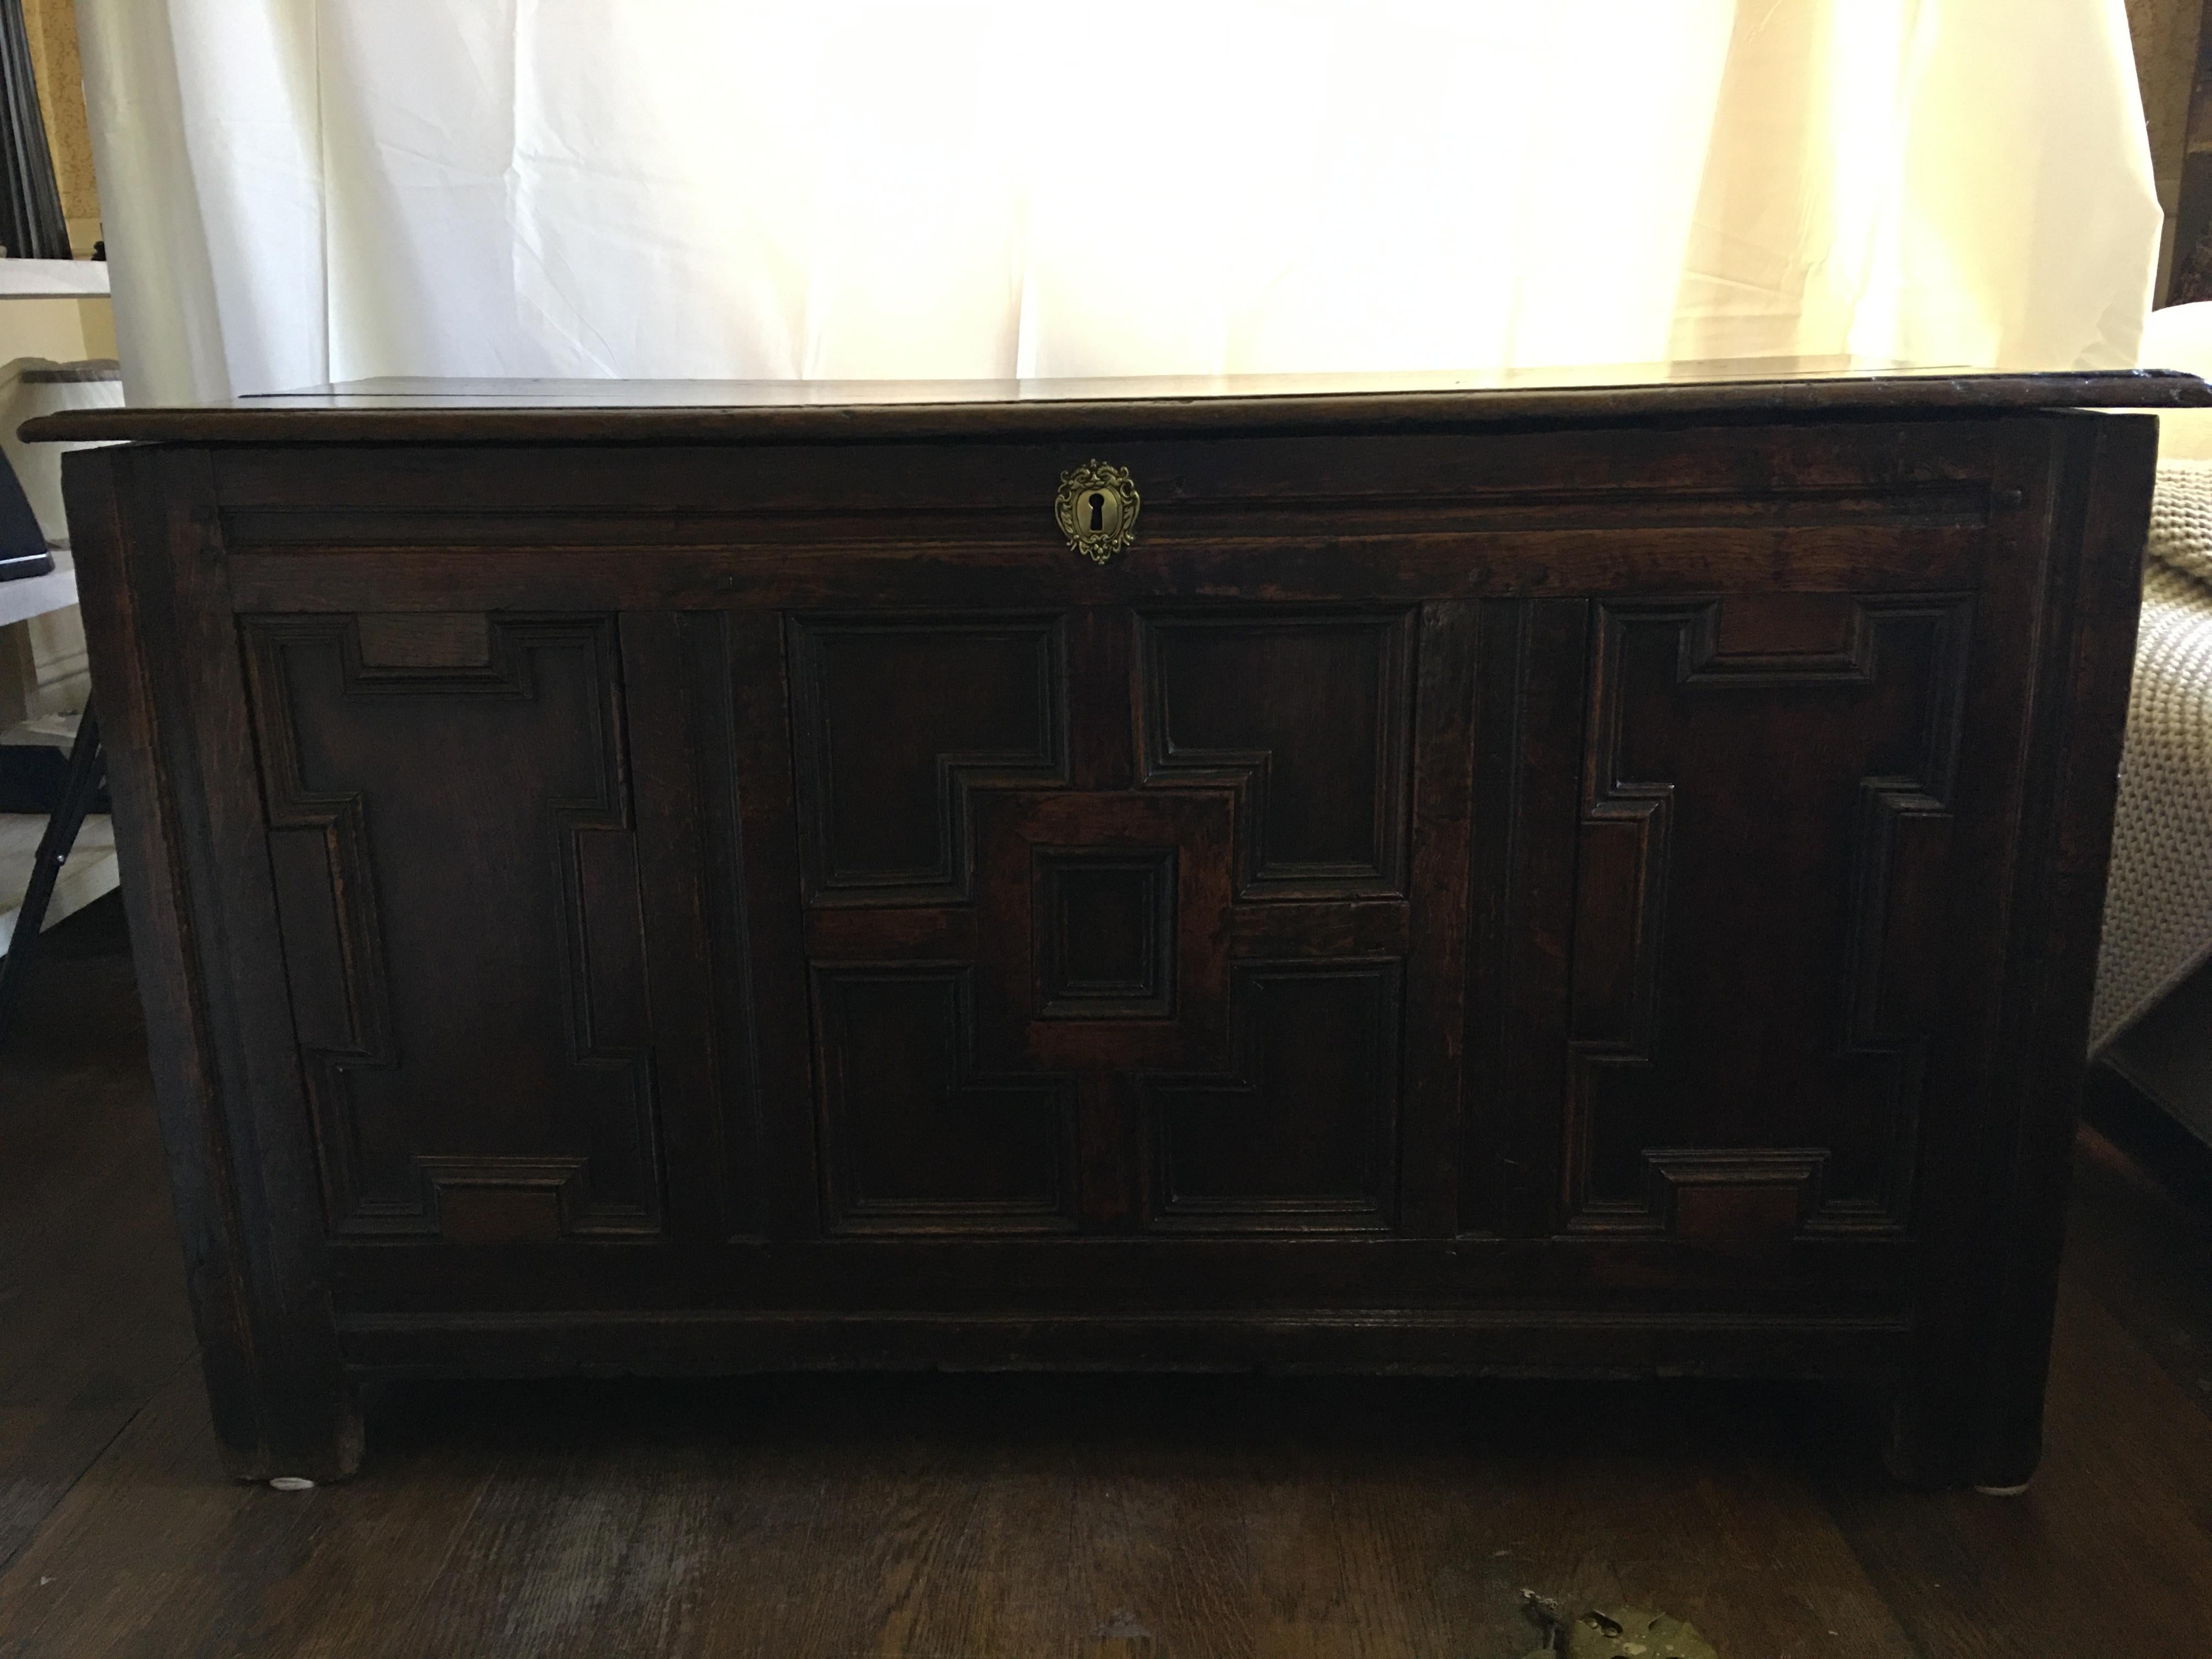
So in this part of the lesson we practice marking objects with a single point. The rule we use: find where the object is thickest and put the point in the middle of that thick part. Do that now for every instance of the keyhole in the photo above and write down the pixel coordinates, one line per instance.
(1097, 511)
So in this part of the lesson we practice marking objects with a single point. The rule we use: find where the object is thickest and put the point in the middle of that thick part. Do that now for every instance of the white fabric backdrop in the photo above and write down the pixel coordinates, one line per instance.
(297, 191)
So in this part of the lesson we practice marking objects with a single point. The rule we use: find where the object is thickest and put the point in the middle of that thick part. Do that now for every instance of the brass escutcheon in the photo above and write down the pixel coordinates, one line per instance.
(1097, 510)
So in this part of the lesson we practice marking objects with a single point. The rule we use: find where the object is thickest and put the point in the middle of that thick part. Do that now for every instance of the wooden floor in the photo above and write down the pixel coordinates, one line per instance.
(1030, 1516)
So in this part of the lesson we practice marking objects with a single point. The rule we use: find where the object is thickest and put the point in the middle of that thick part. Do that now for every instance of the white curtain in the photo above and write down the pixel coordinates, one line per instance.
(301, 191)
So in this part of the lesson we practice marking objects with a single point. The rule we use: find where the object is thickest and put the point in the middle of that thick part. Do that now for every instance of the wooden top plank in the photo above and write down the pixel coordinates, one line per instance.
(521, 410)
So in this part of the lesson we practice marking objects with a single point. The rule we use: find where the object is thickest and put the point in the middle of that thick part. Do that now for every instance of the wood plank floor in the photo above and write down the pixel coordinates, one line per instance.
(938, 1517)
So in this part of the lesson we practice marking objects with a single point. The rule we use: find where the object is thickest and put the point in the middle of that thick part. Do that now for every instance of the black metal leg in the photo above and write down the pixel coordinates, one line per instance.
(85, 767)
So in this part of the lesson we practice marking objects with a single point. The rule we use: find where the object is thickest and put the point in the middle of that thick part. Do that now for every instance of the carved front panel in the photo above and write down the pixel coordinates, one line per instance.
(1299, 1127)
(451, 831)
(899, 723)
(918, 1134)
(1104, 924)
(1306, 718)
(1114, 935)
(1760, 912)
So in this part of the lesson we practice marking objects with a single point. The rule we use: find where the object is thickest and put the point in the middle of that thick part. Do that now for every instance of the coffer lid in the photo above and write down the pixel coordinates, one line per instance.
(442, 410)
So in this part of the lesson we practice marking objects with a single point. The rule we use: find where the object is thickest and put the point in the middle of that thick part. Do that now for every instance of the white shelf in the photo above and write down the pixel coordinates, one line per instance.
(34, 596)
(88, 874)
(52, 279)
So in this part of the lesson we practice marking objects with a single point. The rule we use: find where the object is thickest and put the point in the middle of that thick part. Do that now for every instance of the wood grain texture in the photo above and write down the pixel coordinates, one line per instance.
(1490, 884)
(212, 966)
(83, 1227)
(2065, 840)
(681, 410)
(1004, 1517)
(1794, 738)
(407, 801)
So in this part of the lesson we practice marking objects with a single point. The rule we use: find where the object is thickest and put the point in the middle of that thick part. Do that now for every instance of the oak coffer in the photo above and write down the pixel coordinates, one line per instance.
(1382, 875)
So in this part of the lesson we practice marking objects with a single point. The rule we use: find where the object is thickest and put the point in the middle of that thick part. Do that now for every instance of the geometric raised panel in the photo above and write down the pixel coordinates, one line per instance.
(1097, 928)
(461, 779)
(1104, 924)
(1737, 1201)
(1760, 923)
(1299, 1136)
(505, 1200)
(895, 723)
(1309, 713)
(915, 1139)
(1169, 997)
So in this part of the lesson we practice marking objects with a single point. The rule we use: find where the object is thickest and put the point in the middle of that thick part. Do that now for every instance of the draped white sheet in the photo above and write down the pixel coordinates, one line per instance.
(297, 191)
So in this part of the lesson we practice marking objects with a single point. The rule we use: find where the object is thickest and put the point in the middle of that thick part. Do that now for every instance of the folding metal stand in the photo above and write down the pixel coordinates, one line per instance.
(87, 764)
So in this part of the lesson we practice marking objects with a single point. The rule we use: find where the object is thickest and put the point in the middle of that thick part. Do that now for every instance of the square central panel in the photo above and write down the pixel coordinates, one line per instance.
(1103, 924)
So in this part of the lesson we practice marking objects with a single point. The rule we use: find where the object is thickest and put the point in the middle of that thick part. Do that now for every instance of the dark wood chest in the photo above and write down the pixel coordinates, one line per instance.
(1578, 882)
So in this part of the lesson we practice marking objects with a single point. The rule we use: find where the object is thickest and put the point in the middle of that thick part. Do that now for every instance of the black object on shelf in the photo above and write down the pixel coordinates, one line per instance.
(22, 542)
(31, 223)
